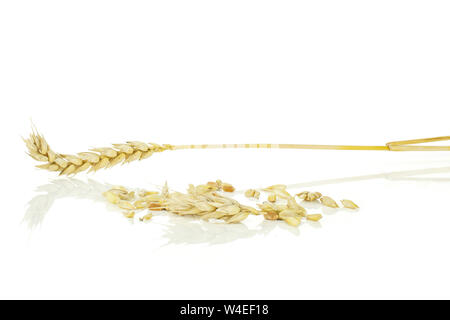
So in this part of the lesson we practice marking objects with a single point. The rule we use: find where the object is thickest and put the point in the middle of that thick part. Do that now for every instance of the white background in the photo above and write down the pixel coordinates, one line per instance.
(91, 73)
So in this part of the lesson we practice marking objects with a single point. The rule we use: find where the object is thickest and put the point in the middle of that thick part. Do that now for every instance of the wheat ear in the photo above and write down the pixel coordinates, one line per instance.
(99, 158)
(95, 159)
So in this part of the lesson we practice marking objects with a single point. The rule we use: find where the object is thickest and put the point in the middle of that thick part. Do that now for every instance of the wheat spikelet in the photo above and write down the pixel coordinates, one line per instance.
(93, 160)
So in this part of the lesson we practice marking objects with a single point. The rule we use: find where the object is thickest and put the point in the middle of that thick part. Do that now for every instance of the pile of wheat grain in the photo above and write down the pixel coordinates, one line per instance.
(208, 201)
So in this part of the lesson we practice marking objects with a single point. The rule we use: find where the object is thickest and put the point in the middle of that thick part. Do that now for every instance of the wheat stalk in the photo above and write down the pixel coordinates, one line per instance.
(99, 158)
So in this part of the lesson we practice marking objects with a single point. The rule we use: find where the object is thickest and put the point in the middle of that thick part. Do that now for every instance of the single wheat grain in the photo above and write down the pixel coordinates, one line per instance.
(309, 196)
(349, 204)
(272, 198)
(252, 193)
(329, 202)
(314, 217)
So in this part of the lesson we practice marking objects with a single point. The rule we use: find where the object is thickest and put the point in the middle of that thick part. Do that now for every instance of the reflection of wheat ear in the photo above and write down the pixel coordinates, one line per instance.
(99, 158)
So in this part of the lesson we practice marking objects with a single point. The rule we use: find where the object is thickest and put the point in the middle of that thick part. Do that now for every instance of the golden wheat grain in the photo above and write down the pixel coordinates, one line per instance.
(228, 187)
(123, 204)
(271, 215)
(252, 193)
(292, 221)
(279, 190)
(314, 217)
(349, 204)
(329, 202)
(272, 198)
(129, 214)
(147, 217)
(309, 196)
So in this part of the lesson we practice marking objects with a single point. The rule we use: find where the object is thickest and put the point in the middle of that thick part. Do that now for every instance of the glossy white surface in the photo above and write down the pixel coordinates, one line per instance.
(93, 73)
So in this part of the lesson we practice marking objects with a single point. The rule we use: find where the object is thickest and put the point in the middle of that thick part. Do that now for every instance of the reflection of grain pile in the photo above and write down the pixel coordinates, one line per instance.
(208, 201)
